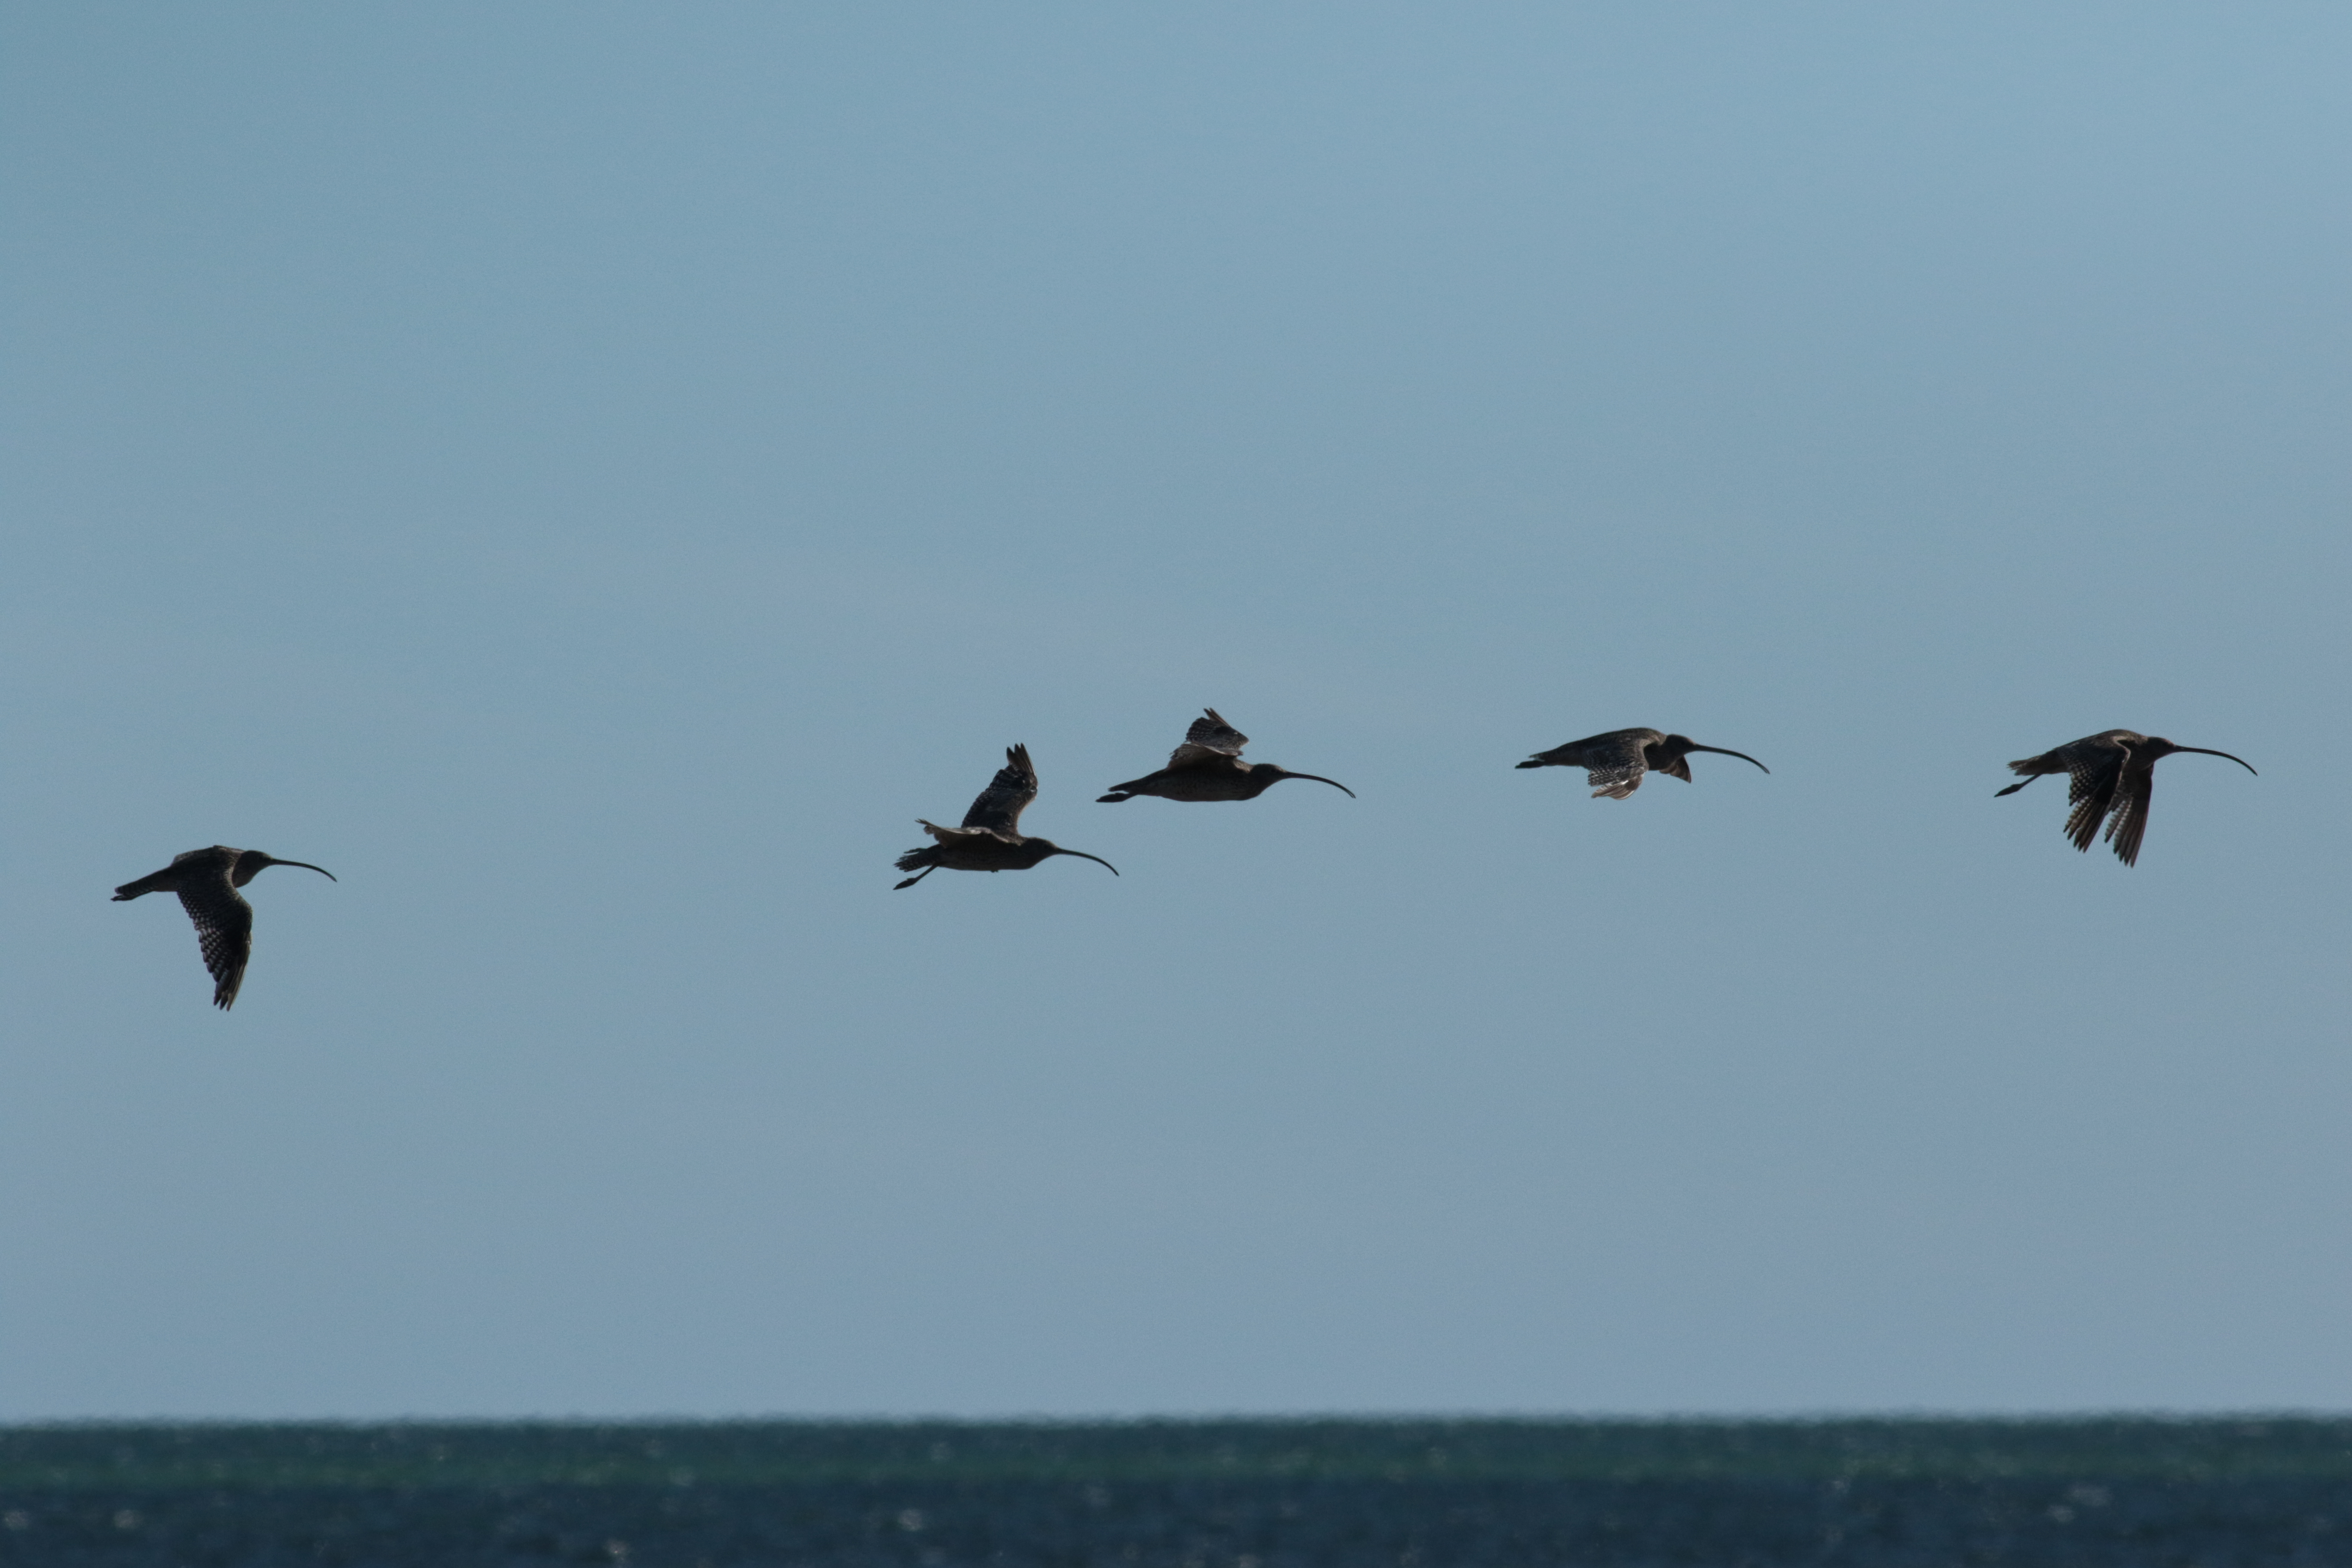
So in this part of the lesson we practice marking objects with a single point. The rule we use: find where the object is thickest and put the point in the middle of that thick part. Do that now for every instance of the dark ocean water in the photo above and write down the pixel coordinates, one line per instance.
(1254, 1494)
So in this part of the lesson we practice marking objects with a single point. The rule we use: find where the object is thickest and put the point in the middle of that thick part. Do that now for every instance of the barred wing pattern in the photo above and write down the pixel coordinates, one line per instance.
(224, 923)
(2130, 818)
(998, 807)
(2095, 765)
(1210, 740)
(1614, 763)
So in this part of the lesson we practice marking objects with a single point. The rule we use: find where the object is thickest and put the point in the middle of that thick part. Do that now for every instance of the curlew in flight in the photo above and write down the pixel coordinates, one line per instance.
(990, 838)
(207, 881)
(2110, 776)
(1613, 763)
(1209, 766)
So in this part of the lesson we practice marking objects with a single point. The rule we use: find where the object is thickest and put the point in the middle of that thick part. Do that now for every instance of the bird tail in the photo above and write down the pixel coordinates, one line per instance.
(1540, 762)
(154, 882)
(914, 859)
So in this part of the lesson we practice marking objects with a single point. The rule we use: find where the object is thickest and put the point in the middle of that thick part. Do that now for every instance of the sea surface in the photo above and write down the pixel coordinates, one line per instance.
(2146, 1493)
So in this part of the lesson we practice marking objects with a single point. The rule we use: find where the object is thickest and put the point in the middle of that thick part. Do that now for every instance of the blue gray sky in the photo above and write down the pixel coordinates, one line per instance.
(592, 475)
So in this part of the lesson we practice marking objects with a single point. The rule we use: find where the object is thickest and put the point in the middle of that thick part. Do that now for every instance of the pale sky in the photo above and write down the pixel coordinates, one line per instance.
(590, 476)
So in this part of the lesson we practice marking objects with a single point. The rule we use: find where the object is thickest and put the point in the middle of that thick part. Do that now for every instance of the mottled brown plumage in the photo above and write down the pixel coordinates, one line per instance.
(991, 837)
(207, 881)
(1613, 762)
(2111, 777)
(1209, 766)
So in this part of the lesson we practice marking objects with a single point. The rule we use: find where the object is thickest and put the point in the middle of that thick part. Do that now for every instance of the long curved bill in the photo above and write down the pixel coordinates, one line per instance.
(2209, 752)
(1318, 778)
(1095, 859)
(1724, 751)
(307, 867)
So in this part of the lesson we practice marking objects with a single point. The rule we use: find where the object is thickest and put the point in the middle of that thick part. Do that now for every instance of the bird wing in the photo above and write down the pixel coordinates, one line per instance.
(1668, 763)
(1613, 764)
(2094, 768)
(224, 923)
(2130, 818)
(999, 806)
(1209, 740)
(2091, 766)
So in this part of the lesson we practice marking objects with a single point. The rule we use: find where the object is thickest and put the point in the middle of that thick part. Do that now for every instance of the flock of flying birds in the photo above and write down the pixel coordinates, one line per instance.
(2110, 774)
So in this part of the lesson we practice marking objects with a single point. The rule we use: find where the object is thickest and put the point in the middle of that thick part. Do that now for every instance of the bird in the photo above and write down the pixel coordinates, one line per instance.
(207, 881)
(1613, 763)
(1209, 766)
(2110, 776)
(990, 838)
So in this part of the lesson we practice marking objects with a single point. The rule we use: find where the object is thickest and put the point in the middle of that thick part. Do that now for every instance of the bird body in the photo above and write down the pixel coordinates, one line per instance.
(1613, 762)
(991, 837)
(1209, 766)
(2111, 777)
(207, 881)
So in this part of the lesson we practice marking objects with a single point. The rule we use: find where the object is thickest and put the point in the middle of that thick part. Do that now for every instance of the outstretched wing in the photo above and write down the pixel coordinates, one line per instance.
(1210, 740)
(1613, 764)
(224, 923)
(999, 807)
(2130, 818)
